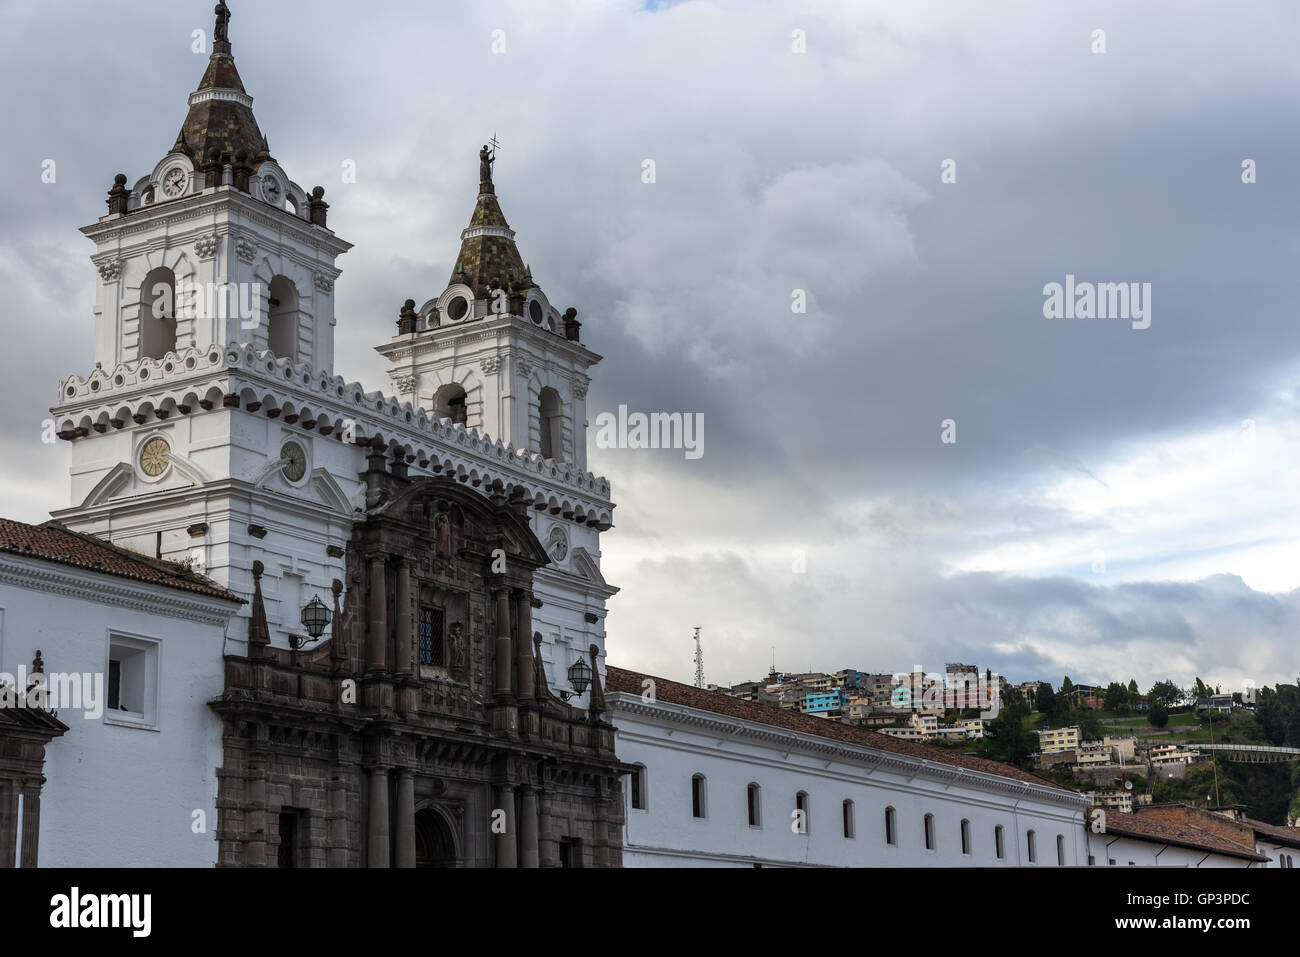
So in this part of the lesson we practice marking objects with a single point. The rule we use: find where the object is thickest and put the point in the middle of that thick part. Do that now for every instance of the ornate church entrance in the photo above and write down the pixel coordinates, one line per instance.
(434, 844)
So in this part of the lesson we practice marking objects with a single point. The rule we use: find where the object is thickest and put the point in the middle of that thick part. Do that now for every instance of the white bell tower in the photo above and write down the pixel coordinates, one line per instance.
(490, 351)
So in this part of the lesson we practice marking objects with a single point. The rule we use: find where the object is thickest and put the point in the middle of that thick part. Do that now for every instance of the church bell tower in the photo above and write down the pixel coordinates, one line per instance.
(490, 351)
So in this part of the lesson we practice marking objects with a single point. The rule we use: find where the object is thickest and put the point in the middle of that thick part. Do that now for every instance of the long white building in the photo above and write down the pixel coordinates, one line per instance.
(719, 781)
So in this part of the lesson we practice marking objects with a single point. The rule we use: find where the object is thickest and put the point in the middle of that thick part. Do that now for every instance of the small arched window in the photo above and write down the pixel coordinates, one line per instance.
(450, 403)
(1060, 850)
(699, 796)
(929, 832)
(848, 819)
(1031, 841)
(801, 812)
(891, 826)
(998, 847)
(753, 797)
(282, 319)
(965, 836)
(551, 411)
(158, 314)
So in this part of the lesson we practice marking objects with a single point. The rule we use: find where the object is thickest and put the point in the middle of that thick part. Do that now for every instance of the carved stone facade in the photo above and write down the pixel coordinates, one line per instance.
(422, 733)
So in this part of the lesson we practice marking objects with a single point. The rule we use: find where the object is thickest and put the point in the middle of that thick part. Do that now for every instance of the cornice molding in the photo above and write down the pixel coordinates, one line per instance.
(98, 587)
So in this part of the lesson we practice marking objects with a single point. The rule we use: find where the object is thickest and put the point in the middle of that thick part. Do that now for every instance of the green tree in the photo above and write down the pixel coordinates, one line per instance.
(1116, 696)
(1006, 738)
(1046, 700)
(1090, 726)
(1158, 716)
(1133, 693)
(1067, 686)
(1166, 693)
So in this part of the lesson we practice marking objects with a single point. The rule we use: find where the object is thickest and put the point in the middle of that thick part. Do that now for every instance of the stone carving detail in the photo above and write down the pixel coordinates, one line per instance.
(324, 283)
(525, 367)
(580, 387)
(457, 652)
(110, 271)
(206, 247)
(246, 251)
(490, 364)
(405, 384)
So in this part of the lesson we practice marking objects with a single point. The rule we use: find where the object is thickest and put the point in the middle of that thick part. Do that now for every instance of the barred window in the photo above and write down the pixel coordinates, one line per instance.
(432, 645)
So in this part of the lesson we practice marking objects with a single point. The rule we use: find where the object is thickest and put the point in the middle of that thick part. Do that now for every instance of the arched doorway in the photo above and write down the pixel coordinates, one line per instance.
(435, 846)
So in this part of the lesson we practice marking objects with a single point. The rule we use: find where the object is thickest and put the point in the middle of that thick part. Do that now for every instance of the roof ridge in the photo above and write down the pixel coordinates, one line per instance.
(794, 721)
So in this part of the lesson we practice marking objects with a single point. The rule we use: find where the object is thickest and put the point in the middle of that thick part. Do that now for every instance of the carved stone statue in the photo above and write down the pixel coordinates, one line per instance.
(222, 32)
(485, 165)
(459, 652)
(442, 532)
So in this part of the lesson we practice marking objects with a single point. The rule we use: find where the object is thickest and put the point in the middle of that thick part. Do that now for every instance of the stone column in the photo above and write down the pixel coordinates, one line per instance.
(503, 643)
(404, 615)
(377, 851)
(504, 799)
(377, 639)
(523, 604)
(255, 823)
(528, 829)
(31, 825)
(405, 818)
(9, 824)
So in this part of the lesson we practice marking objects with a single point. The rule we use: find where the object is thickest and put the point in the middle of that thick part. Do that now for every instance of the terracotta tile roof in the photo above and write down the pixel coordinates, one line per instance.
(1179, 833)
(52, 542)
(1284, 835)
(677, 693)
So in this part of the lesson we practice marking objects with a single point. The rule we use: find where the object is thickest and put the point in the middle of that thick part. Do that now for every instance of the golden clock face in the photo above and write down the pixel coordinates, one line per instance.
(155, 457)
(295, 461)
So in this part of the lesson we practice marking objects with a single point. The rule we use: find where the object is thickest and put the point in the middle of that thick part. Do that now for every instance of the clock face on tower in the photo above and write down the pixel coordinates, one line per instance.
(557, 545)
(174, 183)
(295, 461)
(155, 457)
(270, 190)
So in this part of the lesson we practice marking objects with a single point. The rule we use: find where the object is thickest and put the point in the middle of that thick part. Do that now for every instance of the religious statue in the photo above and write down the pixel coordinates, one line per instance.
(222, 34)
(442, 534)
(459, 653)
(485, 160)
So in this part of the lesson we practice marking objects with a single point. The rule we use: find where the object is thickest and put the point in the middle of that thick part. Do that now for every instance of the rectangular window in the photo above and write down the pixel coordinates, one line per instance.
(697, 796)
(132, 673)
(634, 782)
(997, 841)
(432, 646)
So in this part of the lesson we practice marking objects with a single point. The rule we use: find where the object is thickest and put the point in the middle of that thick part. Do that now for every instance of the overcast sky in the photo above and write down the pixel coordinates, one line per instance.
(1118, 502)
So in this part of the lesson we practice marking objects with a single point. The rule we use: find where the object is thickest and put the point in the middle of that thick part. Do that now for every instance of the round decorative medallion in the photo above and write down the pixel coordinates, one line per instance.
(557, 544)
(174, 183)
(155, 457)
(295, 461)
(536, 313)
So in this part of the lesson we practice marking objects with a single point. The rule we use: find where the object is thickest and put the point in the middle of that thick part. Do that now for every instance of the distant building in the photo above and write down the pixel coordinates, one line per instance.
(1123, 746)
(1060, 739)
(1221, 703)
(823, 703)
